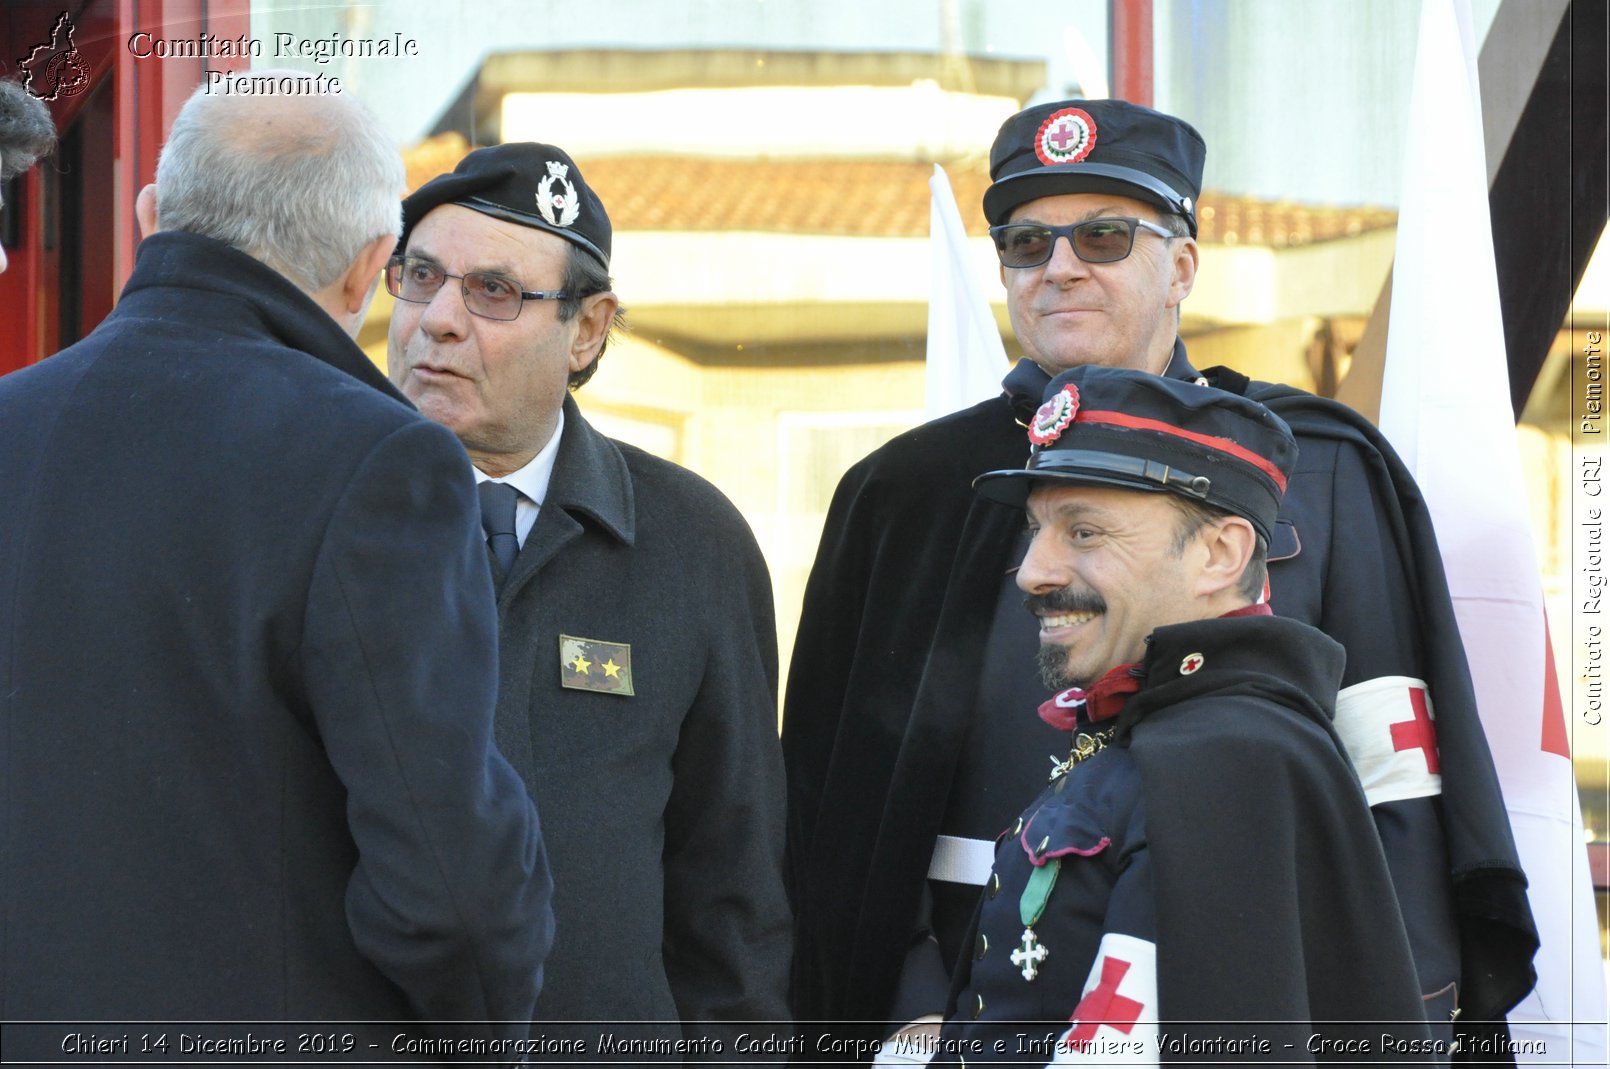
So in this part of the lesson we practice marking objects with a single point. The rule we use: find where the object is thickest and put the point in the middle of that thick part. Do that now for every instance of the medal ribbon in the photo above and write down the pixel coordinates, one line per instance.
(1037, 892)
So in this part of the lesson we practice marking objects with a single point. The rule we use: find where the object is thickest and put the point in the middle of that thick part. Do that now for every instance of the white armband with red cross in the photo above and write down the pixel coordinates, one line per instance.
(1115, 1022)
(1389, 729)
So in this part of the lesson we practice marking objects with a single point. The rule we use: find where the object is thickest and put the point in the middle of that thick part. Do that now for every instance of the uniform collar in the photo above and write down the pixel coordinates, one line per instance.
(173, 260)
(1103, 701)
(1247, 650)
(590, 477)
(1024, 386)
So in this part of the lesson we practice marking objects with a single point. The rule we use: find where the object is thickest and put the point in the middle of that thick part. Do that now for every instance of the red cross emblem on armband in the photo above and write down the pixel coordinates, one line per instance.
(1389, 726)
(1103, 1006)
(1419, 733)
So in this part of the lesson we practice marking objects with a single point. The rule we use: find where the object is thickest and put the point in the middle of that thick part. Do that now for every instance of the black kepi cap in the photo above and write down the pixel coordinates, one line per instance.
(1107, 426)
(1095, 146)
(522, 182)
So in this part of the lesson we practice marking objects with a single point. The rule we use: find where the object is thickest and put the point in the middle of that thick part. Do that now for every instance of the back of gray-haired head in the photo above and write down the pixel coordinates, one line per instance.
(301, 181)
(26, 130)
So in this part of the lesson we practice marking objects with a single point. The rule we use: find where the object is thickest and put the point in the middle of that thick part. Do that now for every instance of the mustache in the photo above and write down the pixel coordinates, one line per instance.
(1065, 600)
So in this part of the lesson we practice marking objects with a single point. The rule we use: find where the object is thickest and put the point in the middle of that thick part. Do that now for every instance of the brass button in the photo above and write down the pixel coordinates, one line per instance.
(983, 946)
(978, 1010)
(1017, 828)
(994, 884)
(1043, 844)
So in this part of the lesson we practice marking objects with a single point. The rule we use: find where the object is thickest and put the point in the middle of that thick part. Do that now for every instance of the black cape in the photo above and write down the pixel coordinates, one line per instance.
(887, 664)
(1232, 766)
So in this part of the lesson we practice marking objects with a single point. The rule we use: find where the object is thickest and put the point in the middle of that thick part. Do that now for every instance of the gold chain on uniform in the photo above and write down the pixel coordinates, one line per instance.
(1086, 745)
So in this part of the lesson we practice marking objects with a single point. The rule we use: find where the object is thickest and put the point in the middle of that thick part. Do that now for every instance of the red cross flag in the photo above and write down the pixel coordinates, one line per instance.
(1115, 1022)
(1445, 406)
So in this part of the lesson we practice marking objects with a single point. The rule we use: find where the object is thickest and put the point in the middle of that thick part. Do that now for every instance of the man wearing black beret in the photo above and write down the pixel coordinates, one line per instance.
(904, 732)
(638, 644)
(1201, 877)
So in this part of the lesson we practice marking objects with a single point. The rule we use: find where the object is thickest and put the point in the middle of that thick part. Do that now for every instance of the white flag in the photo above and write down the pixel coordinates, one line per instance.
(966, 360)
(1445, 406)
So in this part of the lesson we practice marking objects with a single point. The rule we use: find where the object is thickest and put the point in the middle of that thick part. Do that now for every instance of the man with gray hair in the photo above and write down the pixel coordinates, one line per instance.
(248, 646)
(26, 133)
(639, 648)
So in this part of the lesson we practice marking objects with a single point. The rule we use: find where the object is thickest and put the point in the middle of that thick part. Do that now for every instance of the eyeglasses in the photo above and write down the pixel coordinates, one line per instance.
(1095, 241)
(486, 295)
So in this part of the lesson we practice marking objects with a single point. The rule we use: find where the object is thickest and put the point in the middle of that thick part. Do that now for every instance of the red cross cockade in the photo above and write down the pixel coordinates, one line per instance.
(1103, 1006)
(1419, 733)
(1064, 135)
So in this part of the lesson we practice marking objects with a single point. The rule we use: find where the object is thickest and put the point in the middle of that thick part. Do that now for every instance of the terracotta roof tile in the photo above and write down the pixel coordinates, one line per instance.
(865, 198)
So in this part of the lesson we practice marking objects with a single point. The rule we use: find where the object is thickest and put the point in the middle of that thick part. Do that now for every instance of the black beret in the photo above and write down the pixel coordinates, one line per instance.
(523, 182)
(1107, 426)
(1095, 146)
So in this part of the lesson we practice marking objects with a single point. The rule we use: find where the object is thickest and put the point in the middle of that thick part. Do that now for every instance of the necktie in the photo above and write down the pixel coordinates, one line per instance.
(497, 518)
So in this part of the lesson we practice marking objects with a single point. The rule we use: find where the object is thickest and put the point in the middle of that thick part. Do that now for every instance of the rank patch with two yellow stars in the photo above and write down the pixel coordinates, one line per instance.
(589, 664)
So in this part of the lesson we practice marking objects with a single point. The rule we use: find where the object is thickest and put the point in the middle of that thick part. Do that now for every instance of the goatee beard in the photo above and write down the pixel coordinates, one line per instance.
(1052, 659)
(1053, 663)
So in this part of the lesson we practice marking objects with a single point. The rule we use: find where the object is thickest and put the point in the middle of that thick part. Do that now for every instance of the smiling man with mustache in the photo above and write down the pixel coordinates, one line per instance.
(1204, 856)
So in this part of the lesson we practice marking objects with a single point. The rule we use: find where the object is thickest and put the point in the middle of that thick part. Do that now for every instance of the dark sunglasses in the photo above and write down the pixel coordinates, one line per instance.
(1095, 241)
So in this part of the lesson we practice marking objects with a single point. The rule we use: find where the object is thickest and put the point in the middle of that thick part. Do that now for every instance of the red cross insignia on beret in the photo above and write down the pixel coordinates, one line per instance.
(1066, 136)
(1053, 417)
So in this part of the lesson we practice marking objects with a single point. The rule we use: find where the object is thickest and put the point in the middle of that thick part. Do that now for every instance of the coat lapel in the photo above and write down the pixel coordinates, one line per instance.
(590, 479)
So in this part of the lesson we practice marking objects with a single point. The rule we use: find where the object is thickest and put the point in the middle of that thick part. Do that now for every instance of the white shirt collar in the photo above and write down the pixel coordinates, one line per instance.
(531, 480)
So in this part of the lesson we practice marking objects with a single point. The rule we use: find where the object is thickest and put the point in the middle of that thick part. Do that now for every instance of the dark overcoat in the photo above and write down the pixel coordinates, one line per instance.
(662, 807)
(247, 672)
(888, 662)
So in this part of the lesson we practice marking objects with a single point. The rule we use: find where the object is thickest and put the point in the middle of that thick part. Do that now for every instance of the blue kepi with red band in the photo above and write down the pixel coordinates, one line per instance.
(1107, 426)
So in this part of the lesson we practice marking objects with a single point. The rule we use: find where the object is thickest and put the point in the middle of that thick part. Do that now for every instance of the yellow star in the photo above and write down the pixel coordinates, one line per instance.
(581, 664)
(611, 669)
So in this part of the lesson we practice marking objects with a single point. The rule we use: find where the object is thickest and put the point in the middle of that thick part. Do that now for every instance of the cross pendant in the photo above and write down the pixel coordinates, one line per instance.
(1030, 954)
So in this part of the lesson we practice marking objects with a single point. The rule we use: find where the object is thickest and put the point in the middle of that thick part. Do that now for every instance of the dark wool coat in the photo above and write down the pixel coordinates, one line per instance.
(899, 610)
(1216, 864)
(663, 809)
(247, 672)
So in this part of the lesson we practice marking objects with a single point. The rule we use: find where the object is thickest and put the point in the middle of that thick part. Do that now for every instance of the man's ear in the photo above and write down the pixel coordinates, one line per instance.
(1230, 543)
(592, 328)
(145, 210)
(358, 284)
(1186, 259)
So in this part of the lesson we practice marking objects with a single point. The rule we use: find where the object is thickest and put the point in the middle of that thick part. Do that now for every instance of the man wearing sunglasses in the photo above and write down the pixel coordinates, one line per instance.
(908, 725)
(638, 643)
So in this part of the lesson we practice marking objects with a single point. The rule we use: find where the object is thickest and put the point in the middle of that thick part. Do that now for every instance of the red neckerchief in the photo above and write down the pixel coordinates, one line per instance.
(1101, 702)
(1106, 699)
